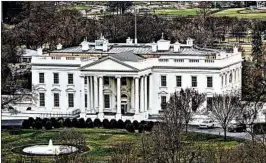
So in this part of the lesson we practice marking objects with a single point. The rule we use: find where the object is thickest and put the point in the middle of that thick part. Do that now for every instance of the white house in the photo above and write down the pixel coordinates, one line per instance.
(127, 80)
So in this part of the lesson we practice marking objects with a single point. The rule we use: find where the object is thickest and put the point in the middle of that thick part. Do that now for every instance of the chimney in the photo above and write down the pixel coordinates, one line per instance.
(153, 47)
(84, 45)
(190, 42)
(129, 41)
(176, 46)
(235, 50)
(59, 46)
(39, 51)
(105, 45)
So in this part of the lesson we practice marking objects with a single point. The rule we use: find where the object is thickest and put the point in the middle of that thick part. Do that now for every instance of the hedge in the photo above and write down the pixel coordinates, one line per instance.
(120, 124)
(74, 122)
(97, 123)
(81, 123)
(106, 123)
(67, 123)
(113, 123)
(130, 127)
(48, 125)
(26, 124)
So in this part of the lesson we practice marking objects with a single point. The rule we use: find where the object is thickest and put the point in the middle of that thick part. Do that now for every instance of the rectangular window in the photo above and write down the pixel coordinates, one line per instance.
(124, 81)
(106, 101)
(163, 81)
(85, 80)
(70, 100)
(209, 82)
(41, 77)
(106, 80)
(42, 99)
(56, 78)
(179, 81)
(209, 103)
(86, 97)
(194, 81)
(70, 79)
(163, 102)
(56, 99)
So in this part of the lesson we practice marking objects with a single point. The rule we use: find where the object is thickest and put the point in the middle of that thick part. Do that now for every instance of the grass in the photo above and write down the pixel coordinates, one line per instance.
(102, 142)
(232, 12)
(81, 7)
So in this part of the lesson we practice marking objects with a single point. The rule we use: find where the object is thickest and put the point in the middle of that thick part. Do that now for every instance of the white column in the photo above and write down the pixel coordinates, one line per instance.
(132, 94)
(96, 102)
(82, 94)
(118, 97)
(142, 94)
(100, 114)
(88, 93)
(136, 95)
(150, 92)
(91, 93)
(145, 93)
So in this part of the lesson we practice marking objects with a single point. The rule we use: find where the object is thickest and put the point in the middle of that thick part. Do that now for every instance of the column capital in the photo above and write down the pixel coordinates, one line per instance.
(82, 76)
(118, 76)
(136, 77)
(99, 76)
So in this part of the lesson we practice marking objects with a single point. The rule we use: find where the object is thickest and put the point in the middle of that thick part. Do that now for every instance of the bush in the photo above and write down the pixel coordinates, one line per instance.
(82, 123)
(113, 123)
(127, 122)
(38, 124)
(60, 123)
(67, 123)
(130, 128)
(31, 120)
(97, 123)
(26, 124)
(120, 124)
(48, 125)
(74, 122)
(141, 128)
(136, 124)
(44, 121)
(106, 123)
(89, 123)
(149, 126)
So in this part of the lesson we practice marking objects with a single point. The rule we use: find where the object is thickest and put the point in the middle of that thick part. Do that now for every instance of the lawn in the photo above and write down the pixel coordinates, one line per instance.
(232, 12)
(102, 142)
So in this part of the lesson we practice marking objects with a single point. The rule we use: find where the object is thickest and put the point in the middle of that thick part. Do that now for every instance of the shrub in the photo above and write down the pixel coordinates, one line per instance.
(67, 123)
(44, 121)
(127, 122)
(120, 124)
(38, 124)
(74, 122)
(113, 123)
(48, 125)
(26, 124)
(130, 128)
(60, 123)
(82, 123)
(143, 122)
(106, 123)
(149, 126)
(97, 123)
(31, 120)
(89, 123)
(141, 128)
(136, 124)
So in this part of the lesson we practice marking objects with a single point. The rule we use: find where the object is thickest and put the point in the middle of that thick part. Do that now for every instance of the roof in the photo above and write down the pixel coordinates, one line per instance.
(127, 56)
(29, 52)
(185, 50)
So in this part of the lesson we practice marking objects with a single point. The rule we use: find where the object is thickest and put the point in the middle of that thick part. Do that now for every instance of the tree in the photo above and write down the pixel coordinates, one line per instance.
(189, 101)
(119, 6)
(257, 49)
(226, 107)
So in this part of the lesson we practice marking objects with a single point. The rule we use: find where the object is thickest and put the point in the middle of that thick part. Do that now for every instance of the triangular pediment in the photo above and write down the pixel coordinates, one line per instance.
(108, 64)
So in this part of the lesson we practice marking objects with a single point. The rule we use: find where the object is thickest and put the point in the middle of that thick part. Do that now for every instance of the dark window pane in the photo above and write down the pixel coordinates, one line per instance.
(124, 81)
(70, 78)
(41, 77)
(70, 100)
(56, 99)
(209, 81)
(86, 104)
(194, 81)
(42, 99)
(163, 81)
(56, 78)
(106, 101)
(178, 81)
(106, 80)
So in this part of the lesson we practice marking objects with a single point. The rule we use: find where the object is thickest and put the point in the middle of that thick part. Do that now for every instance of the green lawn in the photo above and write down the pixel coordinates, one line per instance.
(81, 7)
(233, 12)
(101, 142)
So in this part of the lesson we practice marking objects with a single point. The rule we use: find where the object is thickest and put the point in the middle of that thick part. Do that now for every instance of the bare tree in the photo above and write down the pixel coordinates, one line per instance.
(226, 107)
(189, 101)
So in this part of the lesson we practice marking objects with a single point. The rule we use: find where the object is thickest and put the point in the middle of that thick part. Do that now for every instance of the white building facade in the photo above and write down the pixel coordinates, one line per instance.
(127, 80)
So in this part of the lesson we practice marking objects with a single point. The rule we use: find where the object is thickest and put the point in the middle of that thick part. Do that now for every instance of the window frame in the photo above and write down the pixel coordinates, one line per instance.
(56, 102)
(209, 85)
(163, 102)
(42, 99)
(178, 83)
(109, 101)
(56, 73)
(162, 85)
(207, 103)
(40, 79)
(69, 79)
(71, 102)
(195, 82)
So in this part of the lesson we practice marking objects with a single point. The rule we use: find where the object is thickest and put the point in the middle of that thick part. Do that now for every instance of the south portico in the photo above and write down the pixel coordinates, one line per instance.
(119, 91)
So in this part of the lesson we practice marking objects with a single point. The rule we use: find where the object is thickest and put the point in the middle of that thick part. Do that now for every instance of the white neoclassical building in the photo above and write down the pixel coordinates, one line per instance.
(128, 80)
